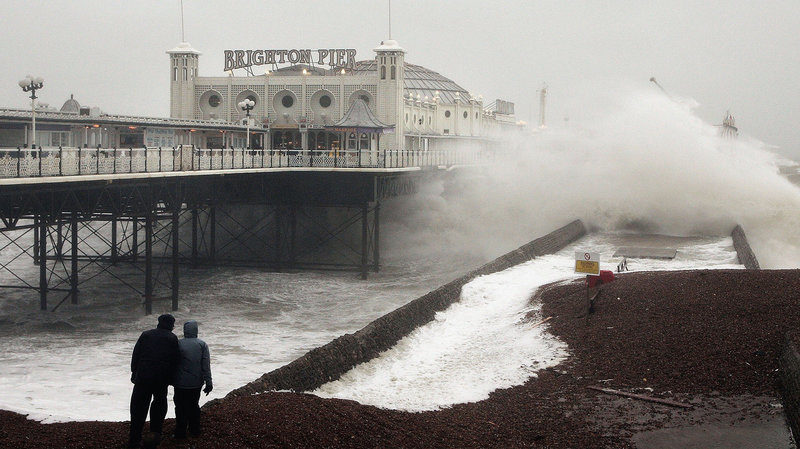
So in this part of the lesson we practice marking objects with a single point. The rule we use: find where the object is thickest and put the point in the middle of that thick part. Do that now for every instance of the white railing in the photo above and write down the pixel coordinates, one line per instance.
(26, 163)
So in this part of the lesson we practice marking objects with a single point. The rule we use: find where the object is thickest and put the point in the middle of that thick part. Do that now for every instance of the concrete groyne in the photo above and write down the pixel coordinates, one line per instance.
(329, 362)
(746, 255)
(789, 373)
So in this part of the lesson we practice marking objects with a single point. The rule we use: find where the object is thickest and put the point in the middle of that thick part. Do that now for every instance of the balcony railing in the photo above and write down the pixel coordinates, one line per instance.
(41, 162)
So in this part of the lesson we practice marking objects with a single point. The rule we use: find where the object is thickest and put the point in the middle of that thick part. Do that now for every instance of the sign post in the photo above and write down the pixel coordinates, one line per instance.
(588, 263)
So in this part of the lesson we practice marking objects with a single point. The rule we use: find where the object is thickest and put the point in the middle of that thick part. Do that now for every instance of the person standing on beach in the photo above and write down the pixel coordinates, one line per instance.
(153, 364)
(194, 370)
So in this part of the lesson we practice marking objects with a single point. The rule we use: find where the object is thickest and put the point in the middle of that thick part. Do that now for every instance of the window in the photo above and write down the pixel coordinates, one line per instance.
(476, 114)
(365, 98)
(185, 74)
(429, 120)
(465, 114)
(394, 71)
(351, 141)
(325, 101)
(364, 144)
(174, 74)
(214, 100)
(287, 101)
(447, 114)
(383, 72)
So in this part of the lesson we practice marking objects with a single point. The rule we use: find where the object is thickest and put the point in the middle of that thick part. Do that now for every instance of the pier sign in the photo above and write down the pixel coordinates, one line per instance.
(334, 57)
(587, 262)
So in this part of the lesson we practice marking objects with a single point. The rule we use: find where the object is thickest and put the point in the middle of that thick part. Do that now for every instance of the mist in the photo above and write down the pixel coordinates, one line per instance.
(643, 163)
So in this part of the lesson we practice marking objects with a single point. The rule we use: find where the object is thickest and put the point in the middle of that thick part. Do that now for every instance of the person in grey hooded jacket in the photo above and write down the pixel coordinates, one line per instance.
(194, 369)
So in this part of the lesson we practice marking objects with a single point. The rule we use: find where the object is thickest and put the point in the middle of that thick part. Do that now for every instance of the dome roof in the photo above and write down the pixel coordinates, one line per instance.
(422, 81)
(71, 105)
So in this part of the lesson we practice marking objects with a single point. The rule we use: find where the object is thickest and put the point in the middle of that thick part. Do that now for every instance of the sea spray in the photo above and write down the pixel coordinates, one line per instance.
(646, 163)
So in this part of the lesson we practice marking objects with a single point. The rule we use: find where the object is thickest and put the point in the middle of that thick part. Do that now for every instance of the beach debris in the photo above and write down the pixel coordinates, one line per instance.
(542, 322)
(639, 396)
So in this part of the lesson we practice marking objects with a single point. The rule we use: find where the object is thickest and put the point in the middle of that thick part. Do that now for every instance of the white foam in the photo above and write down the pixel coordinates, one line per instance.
(480, 343)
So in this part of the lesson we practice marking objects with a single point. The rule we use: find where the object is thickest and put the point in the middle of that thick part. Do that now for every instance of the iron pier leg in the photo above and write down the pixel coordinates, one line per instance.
(376, 247)
(175, 242)
(148, 261)
(114, 245)
(135, 243)
(73, 279)
(43, 264)
(293, 235)
(60, 240)
(212, 238)
(364, 250)
(194, 236)
(36, 240)
(278, 247)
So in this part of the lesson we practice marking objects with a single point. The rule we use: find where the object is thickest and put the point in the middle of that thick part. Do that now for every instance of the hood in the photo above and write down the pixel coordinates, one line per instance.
(190, 329)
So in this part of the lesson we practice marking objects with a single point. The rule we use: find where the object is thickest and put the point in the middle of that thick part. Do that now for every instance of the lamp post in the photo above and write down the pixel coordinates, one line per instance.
(247, 105)
(30, 84)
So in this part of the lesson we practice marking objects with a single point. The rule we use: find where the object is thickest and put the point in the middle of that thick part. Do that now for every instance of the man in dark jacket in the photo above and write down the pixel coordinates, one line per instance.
(194, 369)
(153, 364)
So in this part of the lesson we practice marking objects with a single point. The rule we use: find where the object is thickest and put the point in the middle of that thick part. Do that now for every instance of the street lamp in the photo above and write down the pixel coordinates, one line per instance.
(30, 84)
(247, 105)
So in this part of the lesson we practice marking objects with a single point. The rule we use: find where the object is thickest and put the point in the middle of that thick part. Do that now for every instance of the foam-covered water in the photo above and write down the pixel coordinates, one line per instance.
(482, 342)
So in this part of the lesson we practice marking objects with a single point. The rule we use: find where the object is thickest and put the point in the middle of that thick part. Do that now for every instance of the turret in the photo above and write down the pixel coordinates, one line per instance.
(390, 62)
(183, 61)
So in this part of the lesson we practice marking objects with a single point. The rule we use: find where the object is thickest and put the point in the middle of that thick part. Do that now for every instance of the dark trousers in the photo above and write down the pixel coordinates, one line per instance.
(187, 411)
(140, 403)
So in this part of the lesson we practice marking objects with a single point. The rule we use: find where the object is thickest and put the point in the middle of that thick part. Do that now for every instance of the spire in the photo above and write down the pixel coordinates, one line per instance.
(183, 36)
(390, 19)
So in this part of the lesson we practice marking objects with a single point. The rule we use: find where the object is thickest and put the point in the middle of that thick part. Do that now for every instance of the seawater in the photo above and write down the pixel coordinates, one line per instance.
(483, 342)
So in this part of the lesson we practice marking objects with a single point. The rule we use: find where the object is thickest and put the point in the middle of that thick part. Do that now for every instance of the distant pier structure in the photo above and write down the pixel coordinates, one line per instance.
(728, 129)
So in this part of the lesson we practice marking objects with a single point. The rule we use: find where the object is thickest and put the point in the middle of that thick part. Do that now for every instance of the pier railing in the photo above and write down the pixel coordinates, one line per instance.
(72, 161)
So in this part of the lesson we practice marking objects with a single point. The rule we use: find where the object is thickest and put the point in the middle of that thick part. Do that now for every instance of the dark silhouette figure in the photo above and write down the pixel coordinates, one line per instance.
(194, 370)
(153, 364)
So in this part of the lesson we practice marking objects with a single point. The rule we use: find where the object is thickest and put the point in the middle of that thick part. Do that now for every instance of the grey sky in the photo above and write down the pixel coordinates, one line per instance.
(737, 55)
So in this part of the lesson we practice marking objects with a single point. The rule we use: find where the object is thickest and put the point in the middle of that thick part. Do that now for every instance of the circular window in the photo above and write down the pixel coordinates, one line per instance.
(447, 113)
(214, 101)
(465, 114)
(287, 101)
(325, 101)
(365, 98)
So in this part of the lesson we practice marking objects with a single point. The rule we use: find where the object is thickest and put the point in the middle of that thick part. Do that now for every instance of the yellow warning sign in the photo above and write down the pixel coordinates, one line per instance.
(587, 267)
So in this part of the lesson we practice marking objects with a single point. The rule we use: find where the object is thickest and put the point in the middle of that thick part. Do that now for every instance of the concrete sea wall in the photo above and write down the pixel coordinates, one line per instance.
(743, 250)
(329, 362)
(789, 369)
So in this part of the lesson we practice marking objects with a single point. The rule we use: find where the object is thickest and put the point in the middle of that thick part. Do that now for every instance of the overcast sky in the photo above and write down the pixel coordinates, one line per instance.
(737, 55)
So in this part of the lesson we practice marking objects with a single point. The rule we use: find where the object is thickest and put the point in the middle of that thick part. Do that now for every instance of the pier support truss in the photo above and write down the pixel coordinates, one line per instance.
(54, 239)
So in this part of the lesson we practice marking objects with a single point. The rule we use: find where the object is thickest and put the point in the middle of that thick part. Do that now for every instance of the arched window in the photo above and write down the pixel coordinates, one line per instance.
(394, 72)
(383, 72)
(185, 74)
(351, 141)
(364, 144)
(174, 74)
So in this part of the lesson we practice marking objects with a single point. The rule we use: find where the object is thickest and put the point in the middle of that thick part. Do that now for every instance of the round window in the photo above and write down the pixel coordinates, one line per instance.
(365, 98)
(214, 101)
(465, 114)
(325, 101)
(287, 101)
(447, 113)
